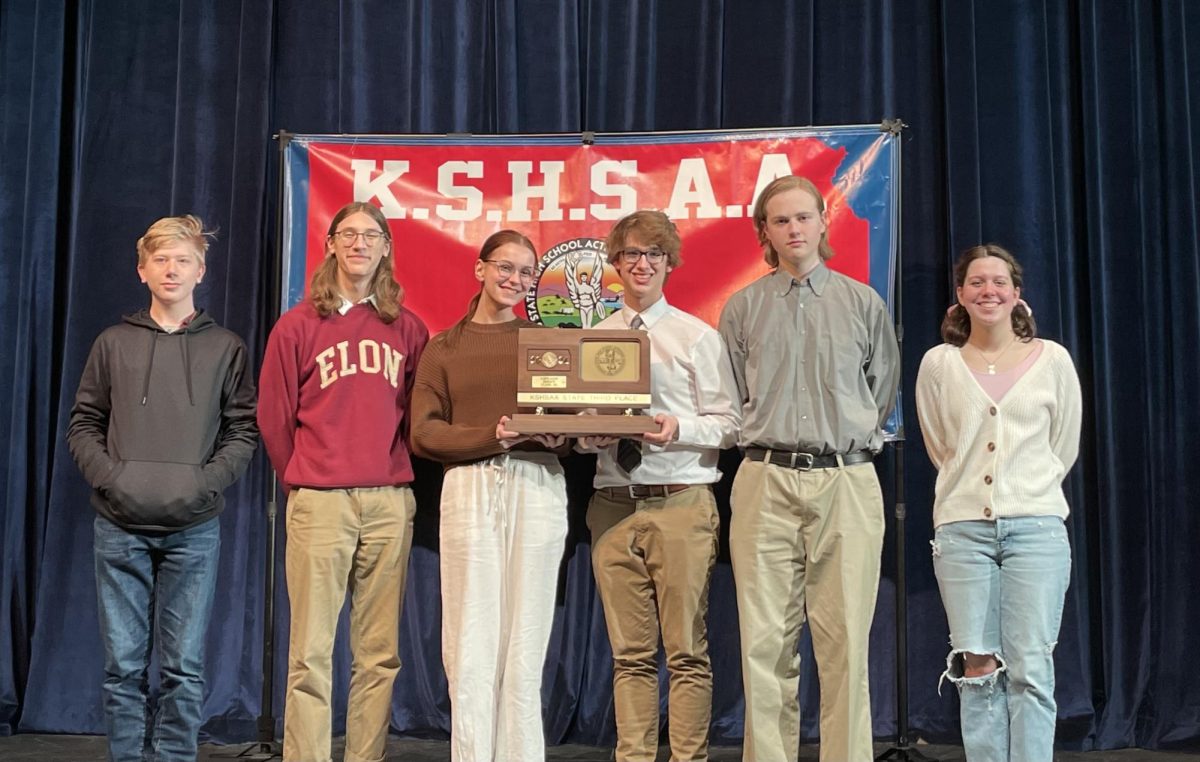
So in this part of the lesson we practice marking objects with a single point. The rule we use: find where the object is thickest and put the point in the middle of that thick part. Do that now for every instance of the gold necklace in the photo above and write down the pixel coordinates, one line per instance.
(991, 364)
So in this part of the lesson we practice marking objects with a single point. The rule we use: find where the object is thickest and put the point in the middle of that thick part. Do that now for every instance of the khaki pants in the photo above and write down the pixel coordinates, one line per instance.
(339, 538)
(647, 552)
(806, 542)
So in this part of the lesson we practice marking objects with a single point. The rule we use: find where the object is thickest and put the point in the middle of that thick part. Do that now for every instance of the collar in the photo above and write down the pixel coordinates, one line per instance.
(183, 324)
(347, 305)
(782, 281)
(650, 315)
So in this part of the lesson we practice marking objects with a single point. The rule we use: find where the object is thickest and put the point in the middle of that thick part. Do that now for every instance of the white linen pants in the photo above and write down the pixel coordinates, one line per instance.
(503, 525)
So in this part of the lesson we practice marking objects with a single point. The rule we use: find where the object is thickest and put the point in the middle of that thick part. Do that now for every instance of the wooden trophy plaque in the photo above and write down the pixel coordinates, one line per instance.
(561, 372)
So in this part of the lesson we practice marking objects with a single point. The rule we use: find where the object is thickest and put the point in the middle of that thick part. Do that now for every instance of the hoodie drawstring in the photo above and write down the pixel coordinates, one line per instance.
(149, 367)
(187, 367)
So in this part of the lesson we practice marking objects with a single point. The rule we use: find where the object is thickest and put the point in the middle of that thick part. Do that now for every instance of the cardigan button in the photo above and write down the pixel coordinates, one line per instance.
(987, 479)
(991, 446)
(992, 410)
(987, 513)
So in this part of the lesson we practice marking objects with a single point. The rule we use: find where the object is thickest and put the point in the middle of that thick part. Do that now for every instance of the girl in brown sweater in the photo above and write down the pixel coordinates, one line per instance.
(503, 515)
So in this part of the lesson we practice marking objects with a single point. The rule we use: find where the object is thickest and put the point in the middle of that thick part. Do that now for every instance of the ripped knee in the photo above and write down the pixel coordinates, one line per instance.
(968, 669)
(978, 665)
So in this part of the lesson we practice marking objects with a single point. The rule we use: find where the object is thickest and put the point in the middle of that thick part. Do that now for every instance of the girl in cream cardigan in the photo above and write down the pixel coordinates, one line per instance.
(1000, 414)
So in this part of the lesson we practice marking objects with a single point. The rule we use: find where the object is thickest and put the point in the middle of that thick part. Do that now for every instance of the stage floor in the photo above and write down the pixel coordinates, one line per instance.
(50, 748)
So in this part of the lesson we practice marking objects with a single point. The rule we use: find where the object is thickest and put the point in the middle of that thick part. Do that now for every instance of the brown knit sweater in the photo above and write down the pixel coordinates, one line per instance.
(462, 390)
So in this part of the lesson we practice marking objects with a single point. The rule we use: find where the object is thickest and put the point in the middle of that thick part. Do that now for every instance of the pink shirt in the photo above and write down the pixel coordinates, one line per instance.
(997, 385)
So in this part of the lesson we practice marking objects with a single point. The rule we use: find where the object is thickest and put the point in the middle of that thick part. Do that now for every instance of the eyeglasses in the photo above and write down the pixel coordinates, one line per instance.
(370, 237)
(506, 269)
(631, 256)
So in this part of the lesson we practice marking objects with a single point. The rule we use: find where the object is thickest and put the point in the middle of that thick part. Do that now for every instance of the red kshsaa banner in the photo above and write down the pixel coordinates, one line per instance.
(444, 195)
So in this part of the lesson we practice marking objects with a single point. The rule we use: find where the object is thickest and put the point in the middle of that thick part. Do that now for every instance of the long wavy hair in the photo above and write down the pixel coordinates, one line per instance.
(493, 242)
(783, 185)
(323, 288)
(956, 326)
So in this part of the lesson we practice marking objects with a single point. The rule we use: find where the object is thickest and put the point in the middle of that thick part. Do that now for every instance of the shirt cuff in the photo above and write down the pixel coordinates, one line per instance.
(687, 431)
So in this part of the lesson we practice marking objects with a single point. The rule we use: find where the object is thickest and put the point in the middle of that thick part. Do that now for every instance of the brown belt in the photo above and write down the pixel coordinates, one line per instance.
(643, 491)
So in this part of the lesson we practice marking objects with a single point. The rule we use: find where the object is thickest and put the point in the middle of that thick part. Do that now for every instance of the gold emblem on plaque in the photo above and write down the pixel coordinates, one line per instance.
(610, 360)
(549, 359)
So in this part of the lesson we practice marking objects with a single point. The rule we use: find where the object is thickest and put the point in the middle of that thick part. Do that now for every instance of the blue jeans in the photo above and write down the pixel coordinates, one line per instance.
(1003, 584)
(154, 590)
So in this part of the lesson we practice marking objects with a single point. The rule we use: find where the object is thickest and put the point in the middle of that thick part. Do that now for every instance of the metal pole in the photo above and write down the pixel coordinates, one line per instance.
(265, 746)
(902, 750)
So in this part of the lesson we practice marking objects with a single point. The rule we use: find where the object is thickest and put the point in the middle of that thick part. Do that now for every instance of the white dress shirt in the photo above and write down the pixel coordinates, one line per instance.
(690, 378)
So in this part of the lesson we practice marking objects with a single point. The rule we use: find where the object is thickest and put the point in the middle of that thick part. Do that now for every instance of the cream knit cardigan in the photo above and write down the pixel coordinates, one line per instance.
(999, 459)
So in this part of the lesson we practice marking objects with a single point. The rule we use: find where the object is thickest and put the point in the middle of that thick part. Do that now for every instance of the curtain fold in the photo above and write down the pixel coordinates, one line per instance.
(1067, 132)
(36, 59)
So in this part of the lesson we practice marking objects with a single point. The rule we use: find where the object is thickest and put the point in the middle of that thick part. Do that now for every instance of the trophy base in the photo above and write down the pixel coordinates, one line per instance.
(581, 425)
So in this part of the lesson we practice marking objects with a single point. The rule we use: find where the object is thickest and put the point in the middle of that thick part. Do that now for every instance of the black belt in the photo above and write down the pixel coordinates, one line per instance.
(806, 461)
(643, 491)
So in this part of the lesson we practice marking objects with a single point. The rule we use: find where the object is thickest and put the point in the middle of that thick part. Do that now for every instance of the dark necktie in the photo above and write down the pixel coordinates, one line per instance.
(629, 454)
(629, 451)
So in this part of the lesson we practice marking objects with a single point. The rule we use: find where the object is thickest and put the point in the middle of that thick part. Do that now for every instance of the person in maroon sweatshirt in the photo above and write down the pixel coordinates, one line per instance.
(335, 388)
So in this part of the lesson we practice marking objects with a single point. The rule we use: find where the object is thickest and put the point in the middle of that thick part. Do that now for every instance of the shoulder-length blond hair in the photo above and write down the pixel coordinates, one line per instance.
(783, 185)
(323, 290)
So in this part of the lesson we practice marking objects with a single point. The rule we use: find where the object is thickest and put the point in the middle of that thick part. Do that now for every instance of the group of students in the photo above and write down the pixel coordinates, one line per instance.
(801, 375)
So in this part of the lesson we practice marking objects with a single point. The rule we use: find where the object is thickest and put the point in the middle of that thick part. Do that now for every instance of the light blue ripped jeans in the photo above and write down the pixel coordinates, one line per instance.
(1003, 584)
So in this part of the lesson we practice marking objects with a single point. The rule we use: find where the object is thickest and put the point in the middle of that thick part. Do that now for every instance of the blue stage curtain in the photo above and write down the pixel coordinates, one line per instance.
(1067, 131)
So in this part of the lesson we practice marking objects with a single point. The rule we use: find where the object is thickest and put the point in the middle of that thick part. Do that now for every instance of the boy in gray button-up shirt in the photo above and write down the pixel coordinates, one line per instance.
(817, 365)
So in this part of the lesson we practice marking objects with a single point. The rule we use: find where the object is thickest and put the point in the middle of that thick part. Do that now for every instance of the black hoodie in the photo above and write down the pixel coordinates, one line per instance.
(163, 422)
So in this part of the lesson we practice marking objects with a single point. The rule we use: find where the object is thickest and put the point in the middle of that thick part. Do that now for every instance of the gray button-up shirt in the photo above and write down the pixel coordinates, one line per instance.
(816, 362)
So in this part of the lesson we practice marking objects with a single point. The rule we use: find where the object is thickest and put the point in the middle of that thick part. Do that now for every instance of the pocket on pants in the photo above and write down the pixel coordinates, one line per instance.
(300, 507)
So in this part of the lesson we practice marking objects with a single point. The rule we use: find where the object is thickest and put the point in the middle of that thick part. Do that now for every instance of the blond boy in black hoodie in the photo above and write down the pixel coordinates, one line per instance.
(163, 422)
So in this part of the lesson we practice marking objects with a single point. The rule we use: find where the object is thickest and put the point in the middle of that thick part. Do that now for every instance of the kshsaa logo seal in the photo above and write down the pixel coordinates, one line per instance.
(575, 286)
